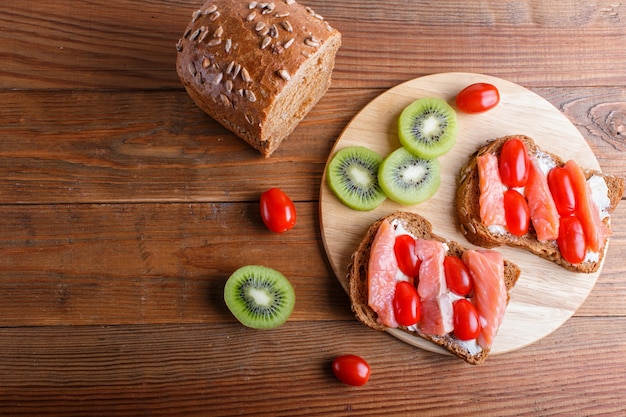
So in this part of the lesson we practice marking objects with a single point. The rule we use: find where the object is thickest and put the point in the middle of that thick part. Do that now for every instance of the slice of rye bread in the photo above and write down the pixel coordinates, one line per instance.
(468, 209)
(419, 227)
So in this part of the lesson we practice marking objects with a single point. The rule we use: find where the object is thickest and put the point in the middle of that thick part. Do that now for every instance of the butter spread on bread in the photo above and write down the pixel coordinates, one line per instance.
(257, 67)
(606, 192)
(379, 317)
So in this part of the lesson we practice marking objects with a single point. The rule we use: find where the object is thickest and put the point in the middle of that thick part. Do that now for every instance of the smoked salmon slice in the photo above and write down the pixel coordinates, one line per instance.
(543, 213)
(381, 274)
(436, 306)
(587, 211)
(491, 200)
(437, 315)
(432, 277)
(490, 296)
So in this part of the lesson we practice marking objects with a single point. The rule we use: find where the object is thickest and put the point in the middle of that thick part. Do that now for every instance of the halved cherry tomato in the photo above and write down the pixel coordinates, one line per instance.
(466, 321)
(562, 190)
(351, 370)
(458, 277)
(571, 240)
(514, 163)
(406, 304)
(586, 210)
(516, 212)
(408, 262)
(277, 210)
(478, 98)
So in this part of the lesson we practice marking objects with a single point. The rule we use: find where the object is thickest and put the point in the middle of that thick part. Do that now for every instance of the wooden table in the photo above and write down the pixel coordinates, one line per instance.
(125, 208)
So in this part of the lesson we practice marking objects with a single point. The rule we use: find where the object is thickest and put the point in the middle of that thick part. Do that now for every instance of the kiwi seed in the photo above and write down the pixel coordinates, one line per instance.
(428, 127)
(352, 174)
(408, 179)
(259, 297)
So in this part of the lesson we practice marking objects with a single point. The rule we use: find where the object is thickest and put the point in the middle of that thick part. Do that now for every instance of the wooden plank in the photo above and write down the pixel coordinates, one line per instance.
(147, 146)
(230, 370)
(158, 146)
(167, 263)
(116, 44)
(151, 263)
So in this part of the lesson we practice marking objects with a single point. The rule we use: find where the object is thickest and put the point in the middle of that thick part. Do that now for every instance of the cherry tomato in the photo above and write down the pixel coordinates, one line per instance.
(466, 321)
(571, 240)
(585, 212)
(516, 212)
(277, 210)
(478, 98)
(458, 277)
(408, 262)
(562, 190)
(514, 163)
(351, 370)
(406, 304)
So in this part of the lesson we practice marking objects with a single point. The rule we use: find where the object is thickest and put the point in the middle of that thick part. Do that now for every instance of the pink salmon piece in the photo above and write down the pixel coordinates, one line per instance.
(490, 296)
(491, 200)
(381, 274)
(543, 213)
(432, 278)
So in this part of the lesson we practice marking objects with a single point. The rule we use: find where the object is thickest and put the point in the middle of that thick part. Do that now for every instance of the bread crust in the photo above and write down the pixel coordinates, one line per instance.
(257, 68)
(468, 209)
(419, 227)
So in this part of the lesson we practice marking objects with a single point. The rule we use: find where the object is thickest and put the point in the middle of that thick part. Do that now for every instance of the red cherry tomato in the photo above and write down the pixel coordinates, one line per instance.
(562, 190)
(408, 262)
(571, 240)
(351, 370)
(458, 277)
(406, 304)
(466, 321)
(514, 163)
(478, 98)
(516, 212)
(277, 210)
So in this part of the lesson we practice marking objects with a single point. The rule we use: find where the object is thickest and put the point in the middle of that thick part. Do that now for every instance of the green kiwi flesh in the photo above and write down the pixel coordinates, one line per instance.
(408, 179)
(428, 127)
(352, 174)
(259, 297)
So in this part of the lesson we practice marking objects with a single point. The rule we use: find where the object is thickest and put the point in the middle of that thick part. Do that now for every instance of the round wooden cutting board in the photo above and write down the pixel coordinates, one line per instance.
(545, 295)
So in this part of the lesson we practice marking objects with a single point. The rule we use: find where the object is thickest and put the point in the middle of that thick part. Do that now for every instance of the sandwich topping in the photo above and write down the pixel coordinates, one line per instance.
(417, 284)
(519, 190)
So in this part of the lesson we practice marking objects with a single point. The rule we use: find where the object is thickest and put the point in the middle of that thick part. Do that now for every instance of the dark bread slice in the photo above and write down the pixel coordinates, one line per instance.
(419, 227)
(468, 210)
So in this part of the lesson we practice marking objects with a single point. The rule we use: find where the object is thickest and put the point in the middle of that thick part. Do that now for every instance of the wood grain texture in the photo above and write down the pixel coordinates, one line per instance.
(104, 44)
(167, 263)
(144, 146)
(190, 370)
(151, 263)
(124, 208)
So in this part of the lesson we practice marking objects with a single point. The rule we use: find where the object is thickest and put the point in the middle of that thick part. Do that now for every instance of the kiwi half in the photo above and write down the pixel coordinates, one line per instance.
(428, 127)
(408, 179)
(352, 174)
(259, 297)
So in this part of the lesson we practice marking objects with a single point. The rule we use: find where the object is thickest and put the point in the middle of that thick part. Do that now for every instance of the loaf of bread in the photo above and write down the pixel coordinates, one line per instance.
(419, 228)
(257, 68)
(468, 209)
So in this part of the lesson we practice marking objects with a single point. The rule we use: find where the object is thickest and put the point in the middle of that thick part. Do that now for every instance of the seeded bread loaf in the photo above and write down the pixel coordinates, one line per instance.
(419, 227)
(468, 210)
(257, 68)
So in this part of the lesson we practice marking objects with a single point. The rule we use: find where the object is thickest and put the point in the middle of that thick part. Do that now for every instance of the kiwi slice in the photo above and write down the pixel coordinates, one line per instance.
(259, 297)
(408, 179)
(428, 127)
(352, 174)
